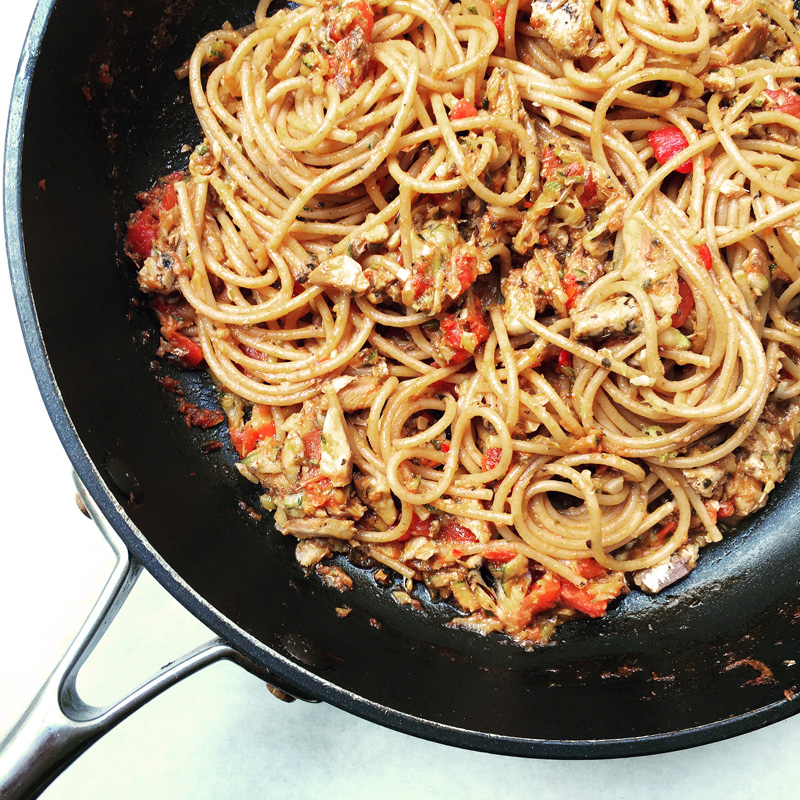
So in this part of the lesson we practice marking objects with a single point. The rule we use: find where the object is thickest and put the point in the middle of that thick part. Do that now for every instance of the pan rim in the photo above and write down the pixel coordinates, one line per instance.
(258, 652)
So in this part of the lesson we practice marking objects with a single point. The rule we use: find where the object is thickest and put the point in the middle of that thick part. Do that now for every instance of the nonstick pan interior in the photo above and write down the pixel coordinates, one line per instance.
(712, 656)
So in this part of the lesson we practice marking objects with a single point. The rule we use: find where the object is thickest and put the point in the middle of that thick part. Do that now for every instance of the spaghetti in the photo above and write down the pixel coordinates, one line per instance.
(499, 295)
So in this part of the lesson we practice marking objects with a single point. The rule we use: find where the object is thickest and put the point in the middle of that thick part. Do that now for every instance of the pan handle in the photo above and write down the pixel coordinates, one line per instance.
(58, 725)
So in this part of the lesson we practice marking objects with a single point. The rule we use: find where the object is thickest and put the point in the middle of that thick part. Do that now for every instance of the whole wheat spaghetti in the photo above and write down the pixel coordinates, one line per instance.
(501, 296)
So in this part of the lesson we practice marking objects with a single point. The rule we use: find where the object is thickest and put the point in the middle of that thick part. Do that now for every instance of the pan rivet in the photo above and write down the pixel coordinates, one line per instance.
(280, 694)
(81, 507)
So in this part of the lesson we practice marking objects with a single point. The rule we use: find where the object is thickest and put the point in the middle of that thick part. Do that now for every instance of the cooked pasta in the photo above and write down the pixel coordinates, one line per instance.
(499, 295)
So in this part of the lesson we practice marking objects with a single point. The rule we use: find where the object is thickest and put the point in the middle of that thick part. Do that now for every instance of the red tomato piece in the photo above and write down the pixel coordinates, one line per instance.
(312, 443)
(544, 594)
(361, 16)
(141, 235)
(669, 526)
(704, 252)
(491, 458)
(420, 282)
(418, 527)
(564, 361)
(464, 335)
(237, 439)
(551, 163)
(499, 18)
(667, 143)
(249, 440)
(463, 109)
(726, 509)
(573, 289)
(685, 306)
(170, 198)
(587, 568)
(455, 533)
(582, 601)
(501, 553)
(465, 269)
(366, 18)
(785, 101)
(589, 193)
(318, 491)
(189, 352)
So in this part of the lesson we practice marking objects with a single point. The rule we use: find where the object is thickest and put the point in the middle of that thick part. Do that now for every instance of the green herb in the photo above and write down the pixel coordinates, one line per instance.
(654, 431)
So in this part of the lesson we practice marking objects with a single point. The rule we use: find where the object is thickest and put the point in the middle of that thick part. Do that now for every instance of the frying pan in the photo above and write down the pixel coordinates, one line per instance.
(709, 658)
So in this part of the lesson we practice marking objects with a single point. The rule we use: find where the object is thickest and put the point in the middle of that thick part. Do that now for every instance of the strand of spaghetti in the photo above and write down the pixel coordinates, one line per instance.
(345, 175)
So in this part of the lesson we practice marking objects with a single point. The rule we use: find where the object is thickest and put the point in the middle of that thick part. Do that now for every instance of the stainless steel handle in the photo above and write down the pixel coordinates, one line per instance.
(58, 725)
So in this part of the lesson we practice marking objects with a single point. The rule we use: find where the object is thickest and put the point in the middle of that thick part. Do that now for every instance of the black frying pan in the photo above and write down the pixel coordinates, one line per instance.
(709, 658)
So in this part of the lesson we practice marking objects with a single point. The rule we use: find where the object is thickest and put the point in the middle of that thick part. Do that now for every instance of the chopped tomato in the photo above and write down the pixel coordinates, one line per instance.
(667, 143)
(170, 198)
(551, 163)
(463, 109)
(252, 436)
(785, 101)
(366, 18)
(455, 533)
(237, 439)
(499, 17)
(420, 282)
(667, 528)
(188, 351)
(464, 335)
(465, 269)
(312, 443)
(502, 553)
(318, 491)
(564, 361)
(704, 252)
(582, 600)
(141, 234)
(685, 306)
(544, 594)
(573, 289)
(589, 193)
(259, 427)
(143, 227)
(726, 509)
(353, 14)
(418, 527)
(587, 568)
(491, 458)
